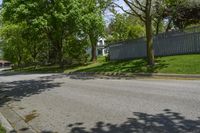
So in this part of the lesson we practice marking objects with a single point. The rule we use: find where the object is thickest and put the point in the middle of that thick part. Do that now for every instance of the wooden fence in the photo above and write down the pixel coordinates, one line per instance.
(165, 44)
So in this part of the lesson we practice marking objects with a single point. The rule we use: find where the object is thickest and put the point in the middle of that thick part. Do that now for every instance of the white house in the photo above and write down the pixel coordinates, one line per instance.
(102, 50)
(101, 47)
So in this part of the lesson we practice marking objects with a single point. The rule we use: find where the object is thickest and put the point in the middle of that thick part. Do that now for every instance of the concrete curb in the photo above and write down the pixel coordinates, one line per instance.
(4, 122)
(138, 75)
(170, 75)
(17, 122)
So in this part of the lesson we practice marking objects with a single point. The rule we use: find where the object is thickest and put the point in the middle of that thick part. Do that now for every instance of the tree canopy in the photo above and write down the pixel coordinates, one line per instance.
(123, 27)
(51, 26)
(182, 13)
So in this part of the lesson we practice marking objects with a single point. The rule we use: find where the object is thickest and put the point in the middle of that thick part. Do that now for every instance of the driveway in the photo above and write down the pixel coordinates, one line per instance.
(70, 104)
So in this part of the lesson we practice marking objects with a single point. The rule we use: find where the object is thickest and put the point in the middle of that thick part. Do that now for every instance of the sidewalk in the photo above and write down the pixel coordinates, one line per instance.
(12, 122)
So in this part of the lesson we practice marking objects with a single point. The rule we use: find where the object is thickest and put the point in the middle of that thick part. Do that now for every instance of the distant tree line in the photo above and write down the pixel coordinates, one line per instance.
(48, 32)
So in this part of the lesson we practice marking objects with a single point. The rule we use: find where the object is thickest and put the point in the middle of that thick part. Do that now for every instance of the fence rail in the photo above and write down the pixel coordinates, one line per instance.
(165, 44)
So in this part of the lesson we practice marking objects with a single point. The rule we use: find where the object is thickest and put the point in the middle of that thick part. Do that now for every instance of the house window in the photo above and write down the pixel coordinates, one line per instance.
(100, 52)
(100, 42)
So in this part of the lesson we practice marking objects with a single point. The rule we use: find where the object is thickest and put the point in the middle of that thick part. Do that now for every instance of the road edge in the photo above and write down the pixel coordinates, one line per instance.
(138, 75)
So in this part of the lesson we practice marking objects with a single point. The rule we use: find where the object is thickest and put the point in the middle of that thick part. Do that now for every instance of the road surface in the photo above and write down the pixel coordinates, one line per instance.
(71, 104)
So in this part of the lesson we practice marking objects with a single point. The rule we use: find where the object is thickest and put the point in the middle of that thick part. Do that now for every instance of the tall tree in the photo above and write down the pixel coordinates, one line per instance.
(56, 18)
(143, 9)
(93, 22)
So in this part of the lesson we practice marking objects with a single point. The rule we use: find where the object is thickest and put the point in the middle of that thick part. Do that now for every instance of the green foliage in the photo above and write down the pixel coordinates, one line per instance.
(14, 45)
(135, 31)
(50, 32)
(2, 130)
(92, 22)
(75, 51)
(124, 27)
(182, 13)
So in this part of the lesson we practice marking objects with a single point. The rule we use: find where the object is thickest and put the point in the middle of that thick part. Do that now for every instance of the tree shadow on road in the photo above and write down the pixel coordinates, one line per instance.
(166, 122)
(17, 90)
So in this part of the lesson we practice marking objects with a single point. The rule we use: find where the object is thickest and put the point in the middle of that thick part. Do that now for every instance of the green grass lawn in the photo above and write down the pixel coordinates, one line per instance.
(40, 69)
(182, 64)
(2, 130)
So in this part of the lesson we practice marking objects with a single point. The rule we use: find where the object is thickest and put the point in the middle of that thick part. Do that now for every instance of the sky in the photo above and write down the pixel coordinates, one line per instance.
(109, 15)
(122, 3)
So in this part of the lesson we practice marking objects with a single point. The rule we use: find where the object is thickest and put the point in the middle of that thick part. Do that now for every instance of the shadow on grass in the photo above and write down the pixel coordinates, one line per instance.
(166, 122)
(40, 69)
(17, 90)
(135, 66)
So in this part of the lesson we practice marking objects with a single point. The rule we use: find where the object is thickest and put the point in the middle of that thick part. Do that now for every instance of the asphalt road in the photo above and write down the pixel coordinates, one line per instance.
(59, 103)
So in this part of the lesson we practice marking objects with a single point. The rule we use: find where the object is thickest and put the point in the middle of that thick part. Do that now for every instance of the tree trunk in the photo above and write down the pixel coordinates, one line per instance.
(61, 64)
(94, 53)
(34, 55)
(158, 26)
(149, 35)
(168, 25)
(94, 48)
(60, 56)
(58, 51)
(19, 58)
(19, 61)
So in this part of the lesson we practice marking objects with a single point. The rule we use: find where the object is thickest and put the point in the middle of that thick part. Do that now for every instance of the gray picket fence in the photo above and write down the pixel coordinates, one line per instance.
(165, 44)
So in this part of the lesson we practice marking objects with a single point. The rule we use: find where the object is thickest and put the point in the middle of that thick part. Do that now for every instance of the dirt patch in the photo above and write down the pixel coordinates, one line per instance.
(31, 116)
